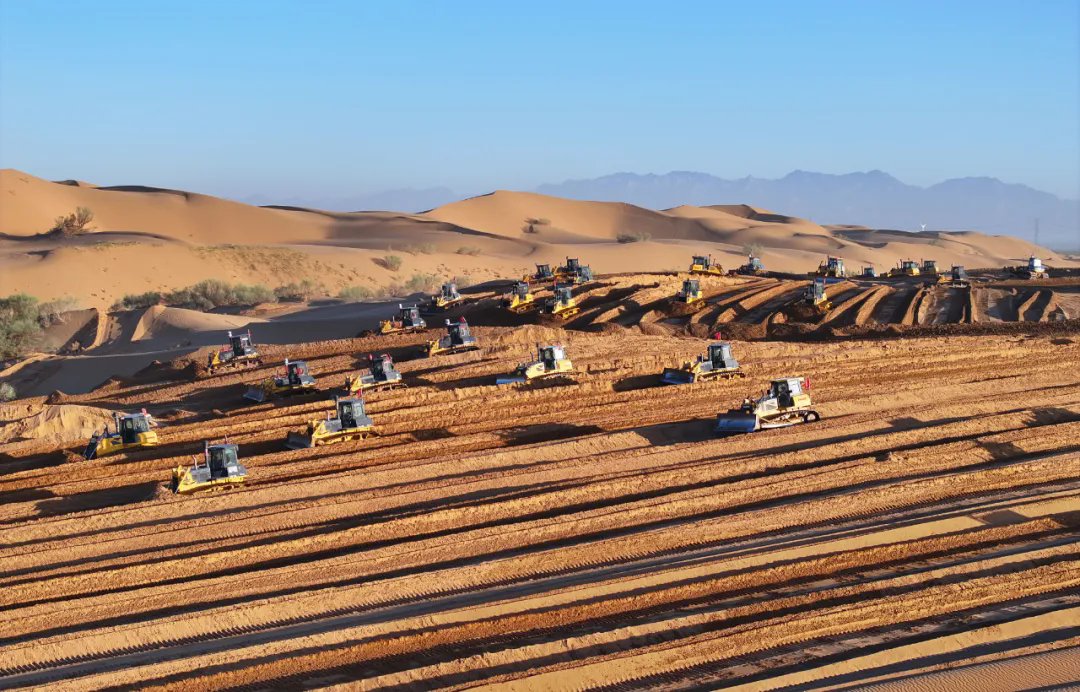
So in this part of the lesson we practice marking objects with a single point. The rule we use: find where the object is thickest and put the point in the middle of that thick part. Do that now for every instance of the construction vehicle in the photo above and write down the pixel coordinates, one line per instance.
(296, 380)
(561, 304)
(958, 277)
(832, 267)
(407, 320)
(869, 272)
(551, 361)
(690, 294)
(457, 340)
(381, 374)
(220, 470)
(574, 271)
(817, 297)
(1035, 269)
(928, 267)
(446, 298)
(703, 264)
(717, 363)
(905, 268)
(753, 267)
(348, 421)
(240, 353)
(520, 299)
(131, 431)
(786, 402)
(542, 276)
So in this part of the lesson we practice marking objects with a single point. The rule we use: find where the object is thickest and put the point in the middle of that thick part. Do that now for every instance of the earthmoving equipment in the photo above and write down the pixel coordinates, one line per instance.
(785, 402)
(958, 278)
(381, 374)
(869, 272)
(457, 340)
(408, 320)
(703, 264)
(832, 267)
(562, 303)
(1035, 269)
(543, 275)
(446, 298)
(349, 421)
(574, 271)
(753, 267)
(690, 293)
(297, 380)
(240, 353)
(928, 267)
(905, 268)
(816, 296)
(131, 431)
(520, 299)
(717, 363)
(551, 361)
(220, 470)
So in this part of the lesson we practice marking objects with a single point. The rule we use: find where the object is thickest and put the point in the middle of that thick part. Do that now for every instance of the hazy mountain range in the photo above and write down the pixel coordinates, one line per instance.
(873, 198)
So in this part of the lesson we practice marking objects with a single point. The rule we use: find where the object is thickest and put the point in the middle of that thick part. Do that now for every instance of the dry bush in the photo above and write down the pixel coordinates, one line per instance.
(468, 250)
(391, 262)
(73, 224)
(634, 237)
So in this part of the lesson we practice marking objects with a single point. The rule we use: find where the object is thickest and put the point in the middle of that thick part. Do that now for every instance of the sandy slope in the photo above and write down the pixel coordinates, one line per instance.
(149, 239)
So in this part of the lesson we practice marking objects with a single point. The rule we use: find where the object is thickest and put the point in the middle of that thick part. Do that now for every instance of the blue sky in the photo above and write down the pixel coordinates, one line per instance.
(290, 98)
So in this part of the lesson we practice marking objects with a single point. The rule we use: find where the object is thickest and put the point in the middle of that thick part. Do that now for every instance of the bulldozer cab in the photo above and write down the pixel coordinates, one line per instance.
(834, 265)
(929, 267)
(815, 292)
(690, 287)
(703, 261)
(294, 370)
(378, 365)
(131, 426)
(562, 295)
(573, 264)
(521, 289)
(869, 272)
(908, 265)
(550, 356)
(543, 271)
(1035, 264)
(784, 390)
(755, 263)
(222, 460)
(958, 273)
(720, 353)
(240, 344)
(409, 315)
(458, 331)
(450, 292)
(349, 411)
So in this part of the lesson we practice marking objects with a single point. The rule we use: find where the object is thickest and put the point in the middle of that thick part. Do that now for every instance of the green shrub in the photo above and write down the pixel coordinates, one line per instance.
(634, 237)
(20, 325)
(7, 392)
(355, 294)
(298, 292)
(136, 301)
(205, 295)
(391, 262)
(420, 248)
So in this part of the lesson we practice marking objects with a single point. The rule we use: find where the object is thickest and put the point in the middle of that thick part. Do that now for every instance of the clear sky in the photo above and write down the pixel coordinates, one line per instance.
(276, 98)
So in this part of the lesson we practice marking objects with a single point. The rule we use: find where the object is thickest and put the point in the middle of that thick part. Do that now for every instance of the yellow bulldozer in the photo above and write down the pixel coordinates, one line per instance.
(717, 363)
(131, 431)
(349, 421)
(240, 353)
(817, 297)
(904, 268)
(408, 320)
(703, 264)
(551, 362)
(297, 379)
(831, 268)
(561, 304)
(786, 402)
(446, 298)
(457, 340)
(220, 470)
(381, 374)
(520, 299)
(690, 294)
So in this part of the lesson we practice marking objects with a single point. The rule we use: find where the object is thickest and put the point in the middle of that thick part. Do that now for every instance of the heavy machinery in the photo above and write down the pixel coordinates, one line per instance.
(958, 277)
(1035, 269)
(542, 276)
(703, 264)
(296, 380)
(446, 298)
(717, 363)
(381, 374)
(817, 297)
(928, 267)
(551, 361)
(131, 431)
(220, 470)
(832, 267)
(349, 421)
(457, 340)
(690, 295)
(753, 267)
(869, 272)
(905, 268)
(240, 353)
(561, 304)
(785, 402)
(574, 271)
(520, 299)
(408, 320)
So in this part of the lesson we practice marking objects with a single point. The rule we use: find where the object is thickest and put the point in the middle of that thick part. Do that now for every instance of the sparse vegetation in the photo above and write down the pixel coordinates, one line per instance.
(420, 248)
(205, 295)
(23, 320)
(391, 262)
(468, 250)
(463, 281)
(417, 283)
(298, 292)
(7, 392)
(634, 237)
(75, 223)
(355, 294)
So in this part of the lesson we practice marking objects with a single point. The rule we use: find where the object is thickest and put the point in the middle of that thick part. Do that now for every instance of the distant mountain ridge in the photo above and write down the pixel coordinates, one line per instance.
(872, 198)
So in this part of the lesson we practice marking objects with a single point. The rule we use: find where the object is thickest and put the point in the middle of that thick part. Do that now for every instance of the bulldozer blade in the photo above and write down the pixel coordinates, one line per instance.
(298, 441)
(677, 376)
(511, 379)
(256, 394)
(736, 423)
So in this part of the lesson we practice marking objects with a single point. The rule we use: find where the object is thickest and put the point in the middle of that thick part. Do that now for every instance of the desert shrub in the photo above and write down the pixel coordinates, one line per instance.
(52, 311)
(355, 294)
(205, 295)
(420, 248)
(74, 223)
(752, 249)
(136, 301)
(7, 392)
(391, 262)
(634, 237)
(298, 292)
(423, 282)
(20, 325)
(463, 281)
(530, 228)
(468, 250)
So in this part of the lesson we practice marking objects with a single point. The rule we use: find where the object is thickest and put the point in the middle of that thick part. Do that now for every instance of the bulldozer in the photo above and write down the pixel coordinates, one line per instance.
(561, 304)
(786, 402)
(905, 268)
(407, 320)
(551, 361)
(717, 363)
(703, 264)
(542, 276)
(131, 431)
(817, 297)
(753, 267)
(240, 353)
(689, 297)
(869, 272)
(958, 277)
(929, 266)
(381, 374)
(220, 470)
(297, 380)
(520, 299)
(349, 421)
(457, 340)
(574, 271)
(831, 268)
(446, 298)
(1034, 269)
